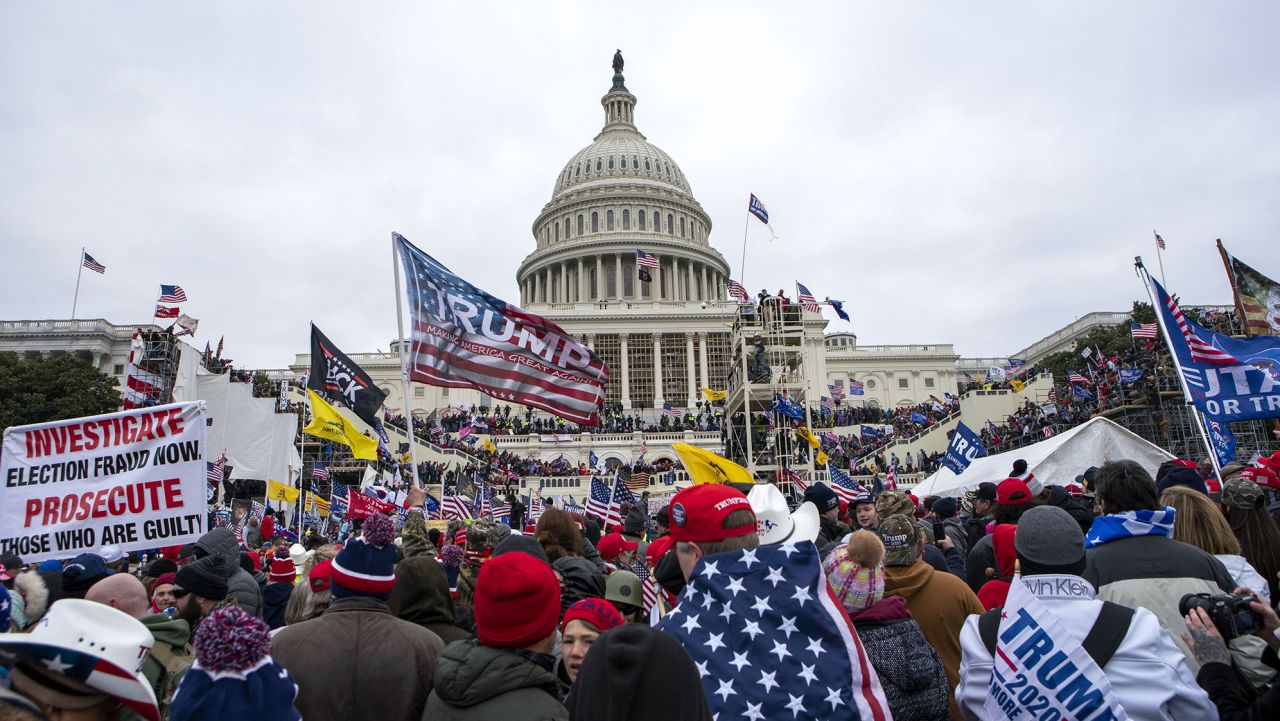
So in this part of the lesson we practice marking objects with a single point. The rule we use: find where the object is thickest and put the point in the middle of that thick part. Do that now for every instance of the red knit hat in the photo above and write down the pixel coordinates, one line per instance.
(595, 611)
(282, 568)
(1012, 492)
(165, 579)
(321, 576)
(698, 513)
(517, 601)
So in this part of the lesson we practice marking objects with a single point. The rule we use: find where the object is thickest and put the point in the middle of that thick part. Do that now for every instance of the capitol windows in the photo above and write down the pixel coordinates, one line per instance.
(626, 220)
(608, 220)
(635, 162)
(566, 228)
(871, 385)
(595, 222)
(598, 166)
(657, 222)
(671, 224)
(928, 382)
(577, 172)
(611, 162)
(681, 227)
(902, 382)
(557, 232)
(646, 165)
(639, 217)
(580, 230)
(624, 162)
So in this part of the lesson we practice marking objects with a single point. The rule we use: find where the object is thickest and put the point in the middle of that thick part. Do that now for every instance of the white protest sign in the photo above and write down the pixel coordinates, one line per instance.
(135, 479)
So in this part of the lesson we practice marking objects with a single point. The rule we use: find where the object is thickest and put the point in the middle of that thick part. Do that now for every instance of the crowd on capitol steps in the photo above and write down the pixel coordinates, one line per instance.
(1112, 594)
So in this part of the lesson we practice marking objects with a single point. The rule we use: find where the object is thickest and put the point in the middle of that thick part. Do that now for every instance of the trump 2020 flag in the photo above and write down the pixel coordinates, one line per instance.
(965, 446)
(462, 337)
(770, 640)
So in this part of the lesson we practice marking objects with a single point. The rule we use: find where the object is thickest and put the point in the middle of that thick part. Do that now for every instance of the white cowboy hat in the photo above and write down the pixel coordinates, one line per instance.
(775, 523)
(99, 649)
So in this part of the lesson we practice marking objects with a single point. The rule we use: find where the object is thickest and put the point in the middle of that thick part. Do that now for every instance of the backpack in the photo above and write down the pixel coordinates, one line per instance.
(173, 667)
(1102, 642)
(974, 530)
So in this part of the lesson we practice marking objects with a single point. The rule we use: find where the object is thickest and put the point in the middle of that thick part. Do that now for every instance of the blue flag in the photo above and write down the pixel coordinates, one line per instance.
(756, 208)
(870, 432)
(918, 418)
(592, 459)
(838, 307)
(964, 447)
(787, 408)
(1081, 393)
(1222, 440)
(1130, 375)
(1228, 379)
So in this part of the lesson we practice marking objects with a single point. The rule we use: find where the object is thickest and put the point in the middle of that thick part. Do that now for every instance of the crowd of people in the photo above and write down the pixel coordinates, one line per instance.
(1130, 594)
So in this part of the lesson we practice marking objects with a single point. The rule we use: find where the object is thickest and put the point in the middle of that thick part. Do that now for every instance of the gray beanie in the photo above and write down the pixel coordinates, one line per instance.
(520, 543)
(1049, 536)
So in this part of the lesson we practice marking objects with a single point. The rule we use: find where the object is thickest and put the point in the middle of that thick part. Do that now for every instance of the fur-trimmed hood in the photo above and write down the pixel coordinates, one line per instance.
(35, 596)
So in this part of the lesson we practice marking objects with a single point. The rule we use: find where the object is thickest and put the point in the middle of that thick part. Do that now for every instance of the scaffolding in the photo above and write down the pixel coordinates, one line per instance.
(769, 362)
(1165, 419)
(156, 355)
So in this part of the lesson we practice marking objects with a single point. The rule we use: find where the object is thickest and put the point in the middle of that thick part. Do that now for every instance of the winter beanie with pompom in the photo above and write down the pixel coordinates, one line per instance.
(856, 571)
(234, 676)
(282, 568)
(366, 565)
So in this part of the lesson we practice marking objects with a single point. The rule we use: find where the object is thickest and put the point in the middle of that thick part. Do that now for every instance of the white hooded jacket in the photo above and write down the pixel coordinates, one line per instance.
(1148, 673)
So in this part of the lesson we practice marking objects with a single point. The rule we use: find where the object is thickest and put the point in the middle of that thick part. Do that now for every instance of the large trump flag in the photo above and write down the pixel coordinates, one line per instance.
(462, 337)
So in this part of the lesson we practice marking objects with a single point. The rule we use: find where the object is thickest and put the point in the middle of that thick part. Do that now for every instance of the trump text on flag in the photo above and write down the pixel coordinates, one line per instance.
(135, 479)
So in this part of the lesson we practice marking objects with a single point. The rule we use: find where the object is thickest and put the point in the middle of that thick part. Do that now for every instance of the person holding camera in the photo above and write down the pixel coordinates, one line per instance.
(1207, 634)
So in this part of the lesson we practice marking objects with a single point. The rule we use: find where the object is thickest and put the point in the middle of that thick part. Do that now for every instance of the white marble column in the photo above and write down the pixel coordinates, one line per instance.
(626, 373)
(617, 272)
(533, 280)
(689, 374)
(657, 370)
(591, 341)
(564, 281)
(600, 285)
(582, 283)
(706, 289)
(702, 361)
(675, 277)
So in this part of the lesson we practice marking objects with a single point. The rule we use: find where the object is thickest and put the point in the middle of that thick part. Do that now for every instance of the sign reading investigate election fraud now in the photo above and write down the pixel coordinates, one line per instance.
(135, 479)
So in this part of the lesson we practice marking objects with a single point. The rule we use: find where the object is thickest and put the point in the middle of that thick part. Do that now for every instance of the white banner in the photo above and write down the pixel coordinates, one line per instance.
(135, 479)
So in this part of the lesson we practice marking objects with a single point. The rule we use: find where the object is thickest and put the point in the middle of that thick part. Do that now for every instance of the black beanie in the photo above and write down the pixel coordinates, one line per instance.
(523, 544)
(206, 577)
(636, 671)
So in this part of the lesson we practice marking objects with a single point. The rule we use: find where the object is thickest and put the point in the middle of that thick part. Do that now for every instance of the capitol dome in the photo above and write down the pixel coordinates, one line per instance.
(619, 195)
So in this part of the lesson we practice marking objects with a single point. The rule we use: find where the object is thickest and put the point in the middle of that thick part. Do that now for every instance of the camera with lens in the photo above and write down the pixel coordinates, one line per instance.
(1230, 613)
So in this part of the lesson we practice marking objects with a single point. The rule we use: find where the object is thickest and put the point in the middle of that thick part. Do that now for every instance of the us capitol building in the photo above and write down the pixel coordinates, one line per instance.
(662, 339)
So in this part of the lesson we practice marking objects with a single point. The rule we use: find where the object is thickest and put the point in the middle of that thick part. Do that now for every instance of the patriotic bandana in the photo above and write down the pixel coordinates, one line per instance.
(1109, 528)
(1039, 665)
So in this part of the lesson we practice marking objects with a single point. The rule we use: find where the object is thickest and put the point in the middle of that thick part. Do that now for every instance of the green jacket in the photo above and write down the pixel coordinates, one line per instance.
(482, 683)
(175, 633)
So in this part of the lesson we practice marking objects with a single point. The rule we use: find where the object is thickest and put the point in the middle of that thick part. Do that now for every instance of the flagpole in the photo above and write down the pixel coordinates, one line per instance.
(1186, 392)
(404, 365)
(746, 226)
(75, 299)
(1160, 257)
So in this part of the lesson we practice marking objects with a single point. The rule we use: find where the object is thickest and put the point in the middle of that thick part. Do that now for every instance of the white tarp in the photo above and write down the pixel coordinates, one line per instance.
(258, 441)
(134, 479)
(1055, 461)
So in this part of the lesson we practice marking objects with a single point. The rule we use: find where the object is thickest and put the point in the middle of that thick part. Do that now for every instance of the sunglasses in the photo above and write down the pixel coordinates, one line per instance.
(179, 592)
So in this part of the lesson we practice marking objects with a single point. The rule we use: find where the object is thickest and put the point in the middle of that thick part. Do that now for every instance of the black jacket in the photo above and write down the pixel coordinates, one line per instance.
(481, 683)
(421, 596)
(1235, 698)
(638, 673)
(275, 597)
(1083, 515)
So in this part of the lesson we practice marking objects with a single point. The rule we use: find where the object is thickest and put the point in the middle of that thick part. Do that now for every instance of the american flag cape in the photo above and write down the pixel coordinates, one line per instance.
(462, 337)
(771, 641)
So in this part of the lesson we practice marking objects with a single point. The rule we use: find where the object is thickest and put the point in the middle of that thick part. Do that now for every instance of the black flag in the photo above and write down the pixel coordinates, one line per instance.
(644, 275)
(334, 376)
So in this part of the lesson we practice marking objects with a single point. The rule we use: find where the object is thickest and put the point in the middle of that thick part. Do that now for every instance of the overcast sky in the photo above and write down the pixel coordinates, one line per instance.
(973, 173)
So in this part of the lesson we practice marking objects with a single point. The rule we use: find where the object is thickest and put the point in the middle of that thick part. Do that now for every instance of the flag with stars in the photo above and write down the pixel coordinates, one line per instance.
(599, 503)
(462, 337)
(770, 641)
(844, 486)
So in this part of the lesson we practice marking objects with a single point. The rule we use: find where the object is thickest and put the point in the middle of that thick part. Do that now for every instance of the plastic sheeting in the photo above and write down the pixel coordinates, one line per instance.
(1054, 461)
(258, 441)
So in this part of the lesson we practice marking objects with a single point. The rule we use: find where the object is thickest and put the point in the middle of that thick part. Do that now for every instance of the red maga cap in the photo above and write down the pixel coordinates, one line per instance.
(698, 513)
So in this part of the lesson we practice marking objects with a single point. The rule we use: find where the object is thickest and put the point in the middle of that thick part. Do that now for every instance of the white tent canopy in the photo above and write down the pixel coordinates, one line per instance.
(1054, 461)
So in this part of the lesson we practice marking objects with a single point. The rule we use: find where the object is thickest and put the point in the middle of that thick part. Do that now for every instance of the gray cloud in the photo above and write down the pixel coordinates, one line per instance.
(972, 174)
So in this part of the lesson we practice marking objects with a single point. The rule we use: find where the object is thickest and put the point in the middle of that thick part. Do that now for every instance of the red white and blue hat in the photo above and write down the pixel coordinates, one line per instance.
(367, 565)
(100, 649)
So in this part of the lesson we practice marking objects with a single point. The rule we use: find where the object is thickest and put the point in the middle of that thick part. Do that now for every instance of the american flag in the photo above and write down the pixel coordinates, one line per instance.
(856, 387)
(837, 390)
(827, 403)
(454, 507)
(1159, 241)
(1073, 377)
(646, 260)
(1200, 350)
(1143, 330)
(535, 504)
(736, 291)
(844, 485)
(1053, 395)
(807, 300)
(598, 501)
(214, 475)
(484, 500)
(761, 650)
(499, 349)
(891, 477)
(320, 471)
(671, 412)
(88, 262)
(649, 585)
(338, 500)
(622, 493)
(637, 481)
(796, 481)
(172, 294)
(433, 508)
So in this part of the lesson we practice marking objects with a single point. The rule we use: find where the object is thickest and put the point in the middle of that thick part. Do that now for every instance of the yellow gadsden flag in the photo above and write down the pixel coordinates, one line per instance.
(714, 396)
(1017, 386)
(707, 467)
(805, 434)
(277, 491)
(326, 422)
